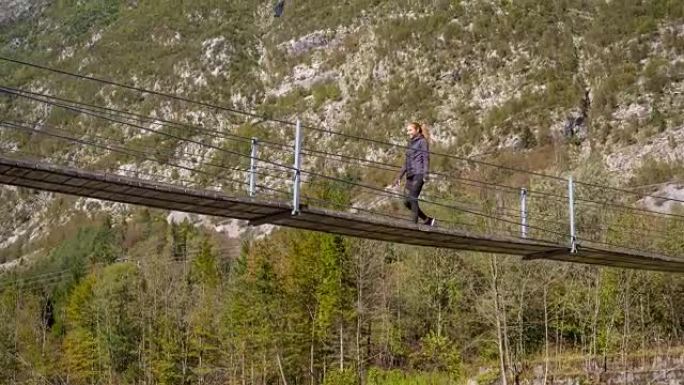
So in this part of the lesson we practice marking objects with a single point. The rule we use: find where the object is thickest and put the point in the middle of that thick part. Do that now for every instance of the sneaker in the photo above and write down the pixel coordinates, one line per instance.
(431, 222)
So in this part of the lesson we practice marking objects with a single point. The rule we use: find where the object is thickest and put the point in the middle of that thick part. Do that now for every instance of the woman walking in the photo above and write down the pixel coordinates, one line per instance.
(415, 169)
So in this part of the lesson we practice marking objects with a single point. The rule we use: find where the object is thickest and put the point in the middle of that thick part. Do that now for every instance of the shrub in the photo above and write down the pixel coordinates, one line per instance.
(340, 377)
(325, 91)
(654, 171)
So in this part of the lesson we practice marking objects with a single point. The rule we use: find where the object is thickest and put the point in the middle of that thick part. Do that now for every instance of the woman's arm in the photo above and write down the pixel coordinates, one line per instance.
(402, 172)
(424, 156)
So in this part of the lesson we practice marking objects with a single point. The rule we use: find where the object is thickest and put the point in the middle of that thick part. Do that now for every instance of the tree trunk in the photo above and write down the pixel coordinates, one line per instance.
(311, 354)
(242, 365)
(499, 332)
(625, 327)
(519, 352)
(233, 366)
(643, 328)
(263, 369)
(358, 343)
(280, 368)
(675, 317)
(504, 329)
(359, 312)
(546, 335)
(44, 326)
(597, 307)
(439, 319)
(368, 339)
(200, 379)
(341, 347)
(521, 328)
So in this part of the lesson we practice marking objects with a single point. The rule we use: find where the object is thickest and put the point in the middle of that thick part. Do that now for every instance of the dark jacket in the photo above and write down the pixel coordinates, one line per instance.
(417, 158)
(279, 8)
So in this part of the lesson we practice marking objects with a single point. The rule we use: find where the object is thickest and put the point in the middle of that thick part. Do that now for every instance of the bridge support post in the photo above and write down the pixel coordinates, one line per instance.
(523, 212)
(252, 167)
(297, 168)
(571, 212)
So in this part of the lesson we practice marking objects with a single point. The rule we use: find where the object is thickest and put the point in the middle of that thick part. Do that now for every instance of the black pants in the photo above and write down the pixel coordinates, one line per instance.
(414, 184)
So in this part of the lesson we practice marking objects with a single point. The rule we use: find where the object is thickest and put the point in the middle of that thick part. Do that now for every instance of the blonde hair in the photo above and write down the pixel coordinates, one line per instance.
(422, 128)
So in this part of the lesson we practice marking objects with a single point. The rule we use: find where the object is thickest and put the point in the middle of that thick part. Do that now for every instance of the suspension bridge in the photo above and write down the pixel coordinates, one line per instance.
(286, 177)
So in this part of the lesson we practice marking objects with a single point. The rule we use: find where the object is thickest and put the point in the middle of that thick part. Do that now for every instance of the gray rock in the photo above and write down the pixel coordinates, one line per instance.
(306, 43)
(13, 10)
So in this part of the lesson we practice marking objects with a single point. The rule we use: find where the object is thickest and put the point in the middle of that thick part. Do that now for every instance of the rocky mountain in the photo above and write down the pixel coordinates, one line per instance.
(598, 81)
(94, 292)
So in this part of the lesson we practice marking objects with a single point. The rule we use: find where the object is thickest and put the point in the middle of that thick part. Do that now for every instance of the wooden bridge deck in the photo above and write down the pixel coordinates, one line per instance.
(47, 177)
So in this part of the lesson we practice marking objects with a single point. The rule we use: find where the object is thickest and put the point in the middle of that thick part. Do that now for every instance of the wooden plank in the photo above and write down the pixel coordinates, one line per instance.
(107, 195)
(254, 208)
(160, 195)
(627, 257)
(333, 229)
(302, 223)
(643, 264)
(270, 218)
(54, 178)
(315, 221)
(180, 197)
(6, 178)
(622, 253)
(68, 190)
(381, 232)
(21, 183)
(117, 179)
(118, 189)
(367, 225)
(410, 231)
(17, 172)
(76, 182)
(402, 239)
(41, 175)
(546, 254)
(104, 195)
(411, 241)
(630, 265)
(95, 185)
(471, 244)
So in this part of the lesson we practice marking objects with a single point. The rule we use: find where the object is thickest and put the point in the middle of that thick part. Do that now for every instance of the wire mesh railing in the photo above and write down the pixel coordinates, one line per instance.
(270, 158)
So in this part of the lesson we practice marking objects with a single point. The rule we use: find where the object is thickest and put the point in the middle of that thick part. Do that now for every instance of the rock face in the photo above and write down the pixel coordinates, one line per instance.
(672, 197)
(317, 39)
(666, 146)
(13, 10)
(483, 87)
(655, 370)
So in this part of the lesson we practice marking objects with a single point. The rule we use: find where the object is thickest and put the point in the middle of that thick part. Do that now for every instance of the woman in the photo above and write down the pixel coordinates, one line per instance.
(416, 168)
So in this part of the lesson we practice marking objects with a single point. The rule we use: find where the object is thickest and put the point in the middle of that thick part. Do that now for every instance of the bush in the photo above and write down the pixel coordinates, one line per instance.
(84, 15)
(657, 171)
(655, 77)
(439, 354)
(397, 377)
(325, 91)
(340, 377)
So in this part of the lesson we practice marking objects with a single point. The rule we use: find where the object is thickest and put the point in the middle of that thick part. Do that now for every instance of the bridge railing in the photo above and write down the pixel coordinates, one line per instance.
(269, 160)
